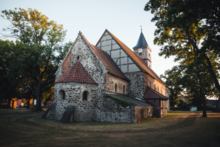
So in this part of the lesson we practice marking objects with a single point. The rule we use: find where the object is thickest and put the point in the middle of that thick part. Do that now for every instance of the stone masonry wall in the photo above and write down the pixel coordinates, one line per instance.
(111, 111)
(143, 113)
(94, 108)
(136, 84)
(84, 109)
(111, 81)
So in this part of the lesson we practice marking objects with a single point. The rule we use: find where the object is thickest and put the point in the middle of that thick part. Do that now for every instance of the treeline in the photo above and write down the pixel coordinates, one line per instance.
(28, 65)
(189, 30)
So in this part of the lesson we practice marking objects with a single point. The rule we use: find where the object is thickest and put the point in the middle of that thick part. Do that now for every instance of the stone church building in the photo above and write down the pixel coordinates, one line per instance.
(91, 75)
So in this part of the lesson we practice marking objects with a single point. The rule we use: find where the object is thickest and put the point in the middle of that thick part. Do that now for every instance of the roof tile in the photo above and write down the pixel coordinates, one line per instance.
(76, 73)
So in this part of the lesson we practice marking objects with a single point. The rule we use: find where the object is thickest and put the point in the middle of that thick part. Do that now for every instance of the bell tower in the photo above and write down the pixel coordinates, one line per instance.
(143, 50)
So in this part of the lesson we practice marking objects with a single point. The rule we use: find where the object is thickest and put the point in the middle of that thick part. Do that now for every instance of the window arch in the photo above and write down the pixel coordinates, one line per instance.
(115, 88)
(85, 95)
(62, 94)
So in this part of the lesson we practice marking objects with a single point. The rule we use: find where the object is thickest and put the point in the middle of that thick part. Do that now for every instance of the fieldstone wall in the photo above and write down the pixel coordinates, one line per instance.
(111, 111)
(143, 113)
(84, 109)
(136, 84)
(95, 108)
(111, 81)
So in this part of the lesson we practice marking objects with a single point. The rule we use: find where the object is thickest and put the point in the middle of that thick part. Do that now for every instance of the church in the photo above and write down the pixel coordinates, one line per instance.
(93, 81)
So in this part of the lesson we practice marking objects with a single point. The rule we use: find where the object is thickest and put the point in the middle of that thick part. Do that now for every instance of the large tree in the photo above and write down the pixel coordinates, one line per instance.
(38, 37)
(188, 26)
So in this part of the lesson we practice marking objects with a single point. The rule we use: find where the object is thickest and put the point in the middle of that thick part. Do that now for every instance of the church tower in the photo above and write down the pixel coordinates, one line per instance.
(143, 50)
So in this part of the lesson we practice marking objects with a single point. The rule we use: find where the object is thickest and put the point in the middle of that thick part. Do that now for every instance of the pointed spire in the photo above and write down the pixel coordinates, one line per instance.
(141, 41)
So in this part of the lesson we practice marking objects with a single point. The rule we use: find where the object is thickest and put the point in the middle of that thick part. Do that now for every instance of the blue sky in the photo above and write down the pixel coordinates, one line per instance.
(121, 17)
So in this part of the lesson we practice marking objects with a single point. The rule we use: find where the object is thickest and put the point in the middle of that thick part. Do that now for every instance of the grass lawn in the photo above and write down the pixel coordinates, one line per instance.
(178, 129)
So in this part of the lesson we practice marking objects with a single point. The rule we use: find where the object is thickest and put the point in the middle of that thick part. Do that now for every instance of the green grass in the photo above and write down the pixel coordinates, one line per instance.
(179, 128)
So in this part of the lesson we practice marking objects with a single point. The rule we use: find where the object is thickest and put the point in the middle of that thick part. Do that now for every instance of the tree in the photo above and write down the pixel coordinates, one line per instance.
(188, 27)
(38, 36)
(172, 78)
(8, 88)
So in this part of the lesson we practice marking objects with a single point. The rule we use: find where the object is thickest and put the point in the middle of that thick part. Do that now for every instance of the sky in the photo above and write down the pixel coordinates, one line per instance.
(123, 18)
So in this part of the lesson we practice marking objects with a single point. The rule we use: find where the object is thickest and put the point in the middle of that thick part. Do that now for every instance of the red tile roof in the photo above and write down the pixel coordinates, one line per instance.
(107, 61)
(76, 73)
(137, 59)
(152, 94)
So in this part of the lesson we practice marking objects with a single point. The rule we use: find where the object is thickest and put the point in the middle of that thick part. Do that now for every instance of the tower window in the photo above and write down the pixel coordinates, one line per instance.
(140, 51)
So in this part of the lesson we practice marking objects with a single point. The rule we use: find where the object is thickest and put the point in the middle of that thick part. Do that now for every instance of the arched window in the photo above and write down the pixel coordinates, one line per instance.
(85, 95)
(115, 88)
(62, 94)
(123, 89)
(77, 57)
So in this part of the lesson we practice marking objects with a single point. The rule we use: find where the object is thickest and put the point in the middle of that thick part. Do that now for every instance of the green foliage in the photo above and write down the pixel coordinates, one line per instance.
(32, 27)
(121, 102)
(189, 30)
(35, 56)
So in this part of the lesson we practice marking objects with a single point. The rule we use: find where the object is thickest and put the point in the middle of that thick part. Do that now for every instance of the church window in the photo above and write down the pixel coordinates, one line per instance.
(85, 95)
(61, 94)
(115, 88)
(77, 57)
(140, 51)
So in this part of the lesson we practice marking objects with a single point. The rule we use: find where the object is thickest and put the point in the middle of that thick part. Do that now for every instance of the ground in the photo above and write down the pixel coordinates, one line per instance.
(179, 128)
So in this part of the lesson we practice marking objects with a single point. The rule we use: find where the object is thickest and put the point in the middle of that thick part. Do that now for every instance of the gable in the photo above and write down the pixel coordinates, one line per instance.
(108, 44)
(118, 50)
(81, 51)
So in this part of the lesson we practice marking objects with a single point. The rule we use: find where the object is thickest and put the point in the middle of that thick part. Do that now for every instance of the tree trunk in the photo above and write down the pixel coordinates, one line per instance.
(38, 95)
(9, 97)
(209, 67)
(202, 95)
(204, 105)
(28, 103)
